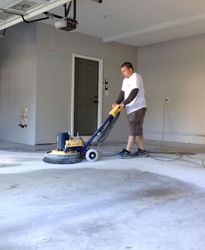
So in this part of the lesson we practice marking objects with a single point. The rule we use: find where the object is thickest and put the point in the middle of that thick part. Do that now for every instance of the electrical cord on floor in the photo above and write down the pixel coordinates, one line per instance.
(162, 140)
(180, 157)
(167, 160)
(202, 160)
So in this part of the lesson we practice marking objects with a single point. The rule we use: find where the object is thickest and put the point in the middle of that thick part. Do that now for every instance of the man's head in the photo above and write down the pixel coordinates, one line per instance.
(127, 69)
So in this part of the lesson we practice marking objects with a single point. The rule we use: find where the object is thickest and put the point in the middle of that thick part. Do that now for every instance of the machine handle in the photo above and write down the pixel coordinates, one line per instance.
(116, 110)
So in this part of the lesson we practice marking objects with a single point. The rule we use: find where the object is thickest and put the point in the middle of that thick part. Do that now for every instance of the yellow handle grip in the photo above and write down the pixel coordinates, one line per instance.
(116, 110)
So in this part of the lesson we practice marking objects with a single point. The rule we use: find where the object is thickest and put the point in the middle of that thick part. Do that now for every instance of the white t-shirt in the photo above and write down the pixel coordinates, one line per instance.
(128, 84)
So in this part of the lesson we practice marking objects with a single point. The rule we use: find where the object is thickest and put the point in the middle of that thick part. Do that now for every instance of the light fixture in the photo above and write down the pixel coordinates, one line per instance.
(11, 15)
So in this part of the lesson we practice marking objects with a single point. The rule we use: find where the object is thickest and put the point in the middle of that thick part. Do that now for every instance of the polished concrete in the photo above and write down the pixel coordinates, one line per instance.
(112, 204)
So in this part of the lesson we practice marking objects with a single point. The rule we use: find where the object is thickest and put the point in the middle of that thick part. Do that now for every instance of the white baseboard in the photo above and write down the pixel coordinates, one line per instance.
(175, 137)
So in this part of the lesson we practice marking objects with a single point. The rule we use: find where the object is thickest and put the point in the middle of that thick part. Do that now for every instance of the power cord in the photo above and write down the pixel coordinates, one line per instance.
(180, 157)
(202, 160)
(167, 160)
(164, 158)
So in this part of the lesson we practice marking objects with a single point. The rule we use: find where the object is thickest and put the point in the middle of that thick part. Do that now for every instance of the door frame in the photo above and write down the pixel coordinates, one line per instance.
(100, 86)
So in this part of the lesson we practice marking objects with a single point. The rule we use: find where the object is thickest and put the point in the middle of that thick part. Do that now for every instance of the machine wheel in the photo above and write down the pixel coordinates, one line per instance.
(60, 157)
(92, 155)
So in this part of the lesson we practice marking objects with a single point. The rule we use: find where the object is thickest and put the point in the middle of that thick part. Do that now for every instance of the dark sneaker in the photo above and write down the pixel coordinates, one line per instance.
(140, 153)
(124, 154)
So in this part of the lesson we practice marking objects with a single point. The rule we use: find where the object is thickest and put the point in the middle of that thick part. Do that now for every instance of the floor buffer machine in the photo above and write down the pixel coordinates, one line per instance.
(75, 149)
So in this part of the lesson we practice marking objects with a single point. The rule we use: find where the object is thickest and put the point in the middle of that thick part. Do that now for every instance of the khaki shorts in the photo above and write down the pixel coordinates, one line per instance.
(136, 119)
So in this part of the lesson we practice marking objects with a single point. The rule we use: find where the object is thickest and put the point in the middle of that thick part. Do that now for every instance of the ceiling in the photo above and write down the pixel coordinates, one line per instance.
(141, 22)
(136, 22)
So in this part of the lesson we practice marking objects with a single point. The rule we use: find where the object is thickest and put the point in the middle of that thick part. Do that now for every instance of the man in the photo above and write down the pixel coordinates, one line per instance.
(132, 98)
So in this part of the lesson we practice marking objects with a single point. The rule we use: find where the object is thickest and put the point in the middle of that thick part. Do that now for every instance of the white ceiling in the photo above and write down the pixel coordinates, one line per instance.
(141, 22)
(137, 22)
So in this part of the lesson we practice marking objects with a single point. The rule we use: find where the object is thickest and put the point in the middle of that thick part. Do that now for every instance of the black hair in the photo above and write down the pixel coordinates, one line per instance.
(127, 65)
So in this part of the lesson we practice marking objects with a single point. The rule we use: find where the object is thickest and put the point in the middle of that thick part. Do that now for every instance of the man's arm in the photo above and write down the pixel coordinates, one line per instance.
(120, 97)
(131, 96)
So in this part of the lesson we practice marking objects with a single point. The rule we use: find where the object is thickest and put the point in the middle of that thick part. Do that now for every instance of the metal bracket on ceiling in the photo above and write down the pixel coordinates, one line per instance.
(3, 33)
(66, 11)
(64, 22)
(49, 14)
(66, 6)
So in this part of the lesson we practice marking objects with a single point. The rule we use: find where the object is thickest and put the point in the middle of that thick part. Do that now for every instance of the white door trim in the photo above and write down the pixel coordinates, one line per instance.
(100, 87)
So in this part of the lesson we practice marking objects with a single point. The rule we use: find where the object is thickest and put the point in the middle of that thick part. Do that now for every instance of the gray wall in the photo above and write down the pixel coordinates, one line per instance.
(54, 78)
(175, 69)
(34, 76)
(18, 65)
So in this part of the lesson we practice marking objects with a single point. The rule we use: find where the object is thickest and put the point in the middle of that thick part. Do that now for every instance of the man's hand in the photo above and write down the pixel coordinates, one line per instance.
(121, 105)
(114, 104)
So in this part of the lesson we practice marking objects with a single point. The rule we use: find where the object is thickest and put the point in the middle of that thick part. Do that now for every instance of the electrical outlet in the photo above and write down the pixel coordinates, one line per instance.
(166, 99)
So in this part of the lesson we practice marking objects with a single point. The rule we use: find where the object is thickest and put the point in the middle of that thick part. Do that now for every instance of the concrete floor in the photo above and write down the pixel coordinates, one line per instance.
(112, 204)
